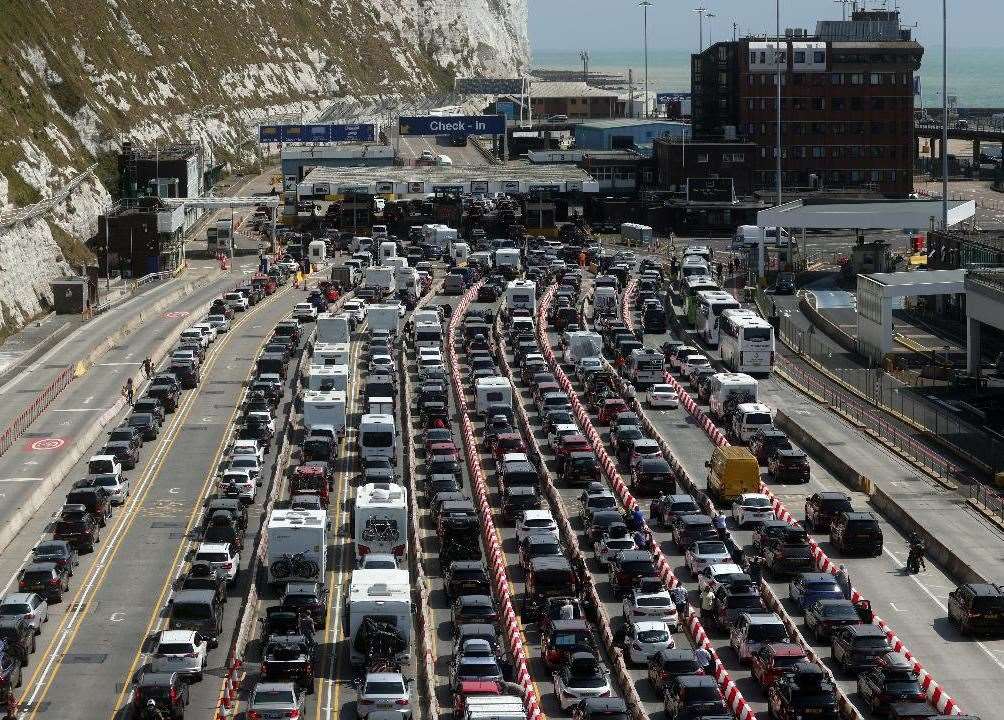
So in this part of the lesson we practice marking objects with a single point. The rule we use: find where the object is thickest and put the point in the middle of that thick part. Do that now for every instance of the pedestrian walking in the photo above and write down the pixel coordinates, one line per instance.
(720, 525)
(755, 570)
(707, 601)
(704, 660)
(843, 578)
(148, 367)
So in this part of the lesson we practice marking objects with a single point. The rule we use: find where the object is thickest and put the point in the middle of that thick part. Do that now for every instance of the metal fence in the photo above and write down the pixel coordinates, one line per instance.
(20, 424)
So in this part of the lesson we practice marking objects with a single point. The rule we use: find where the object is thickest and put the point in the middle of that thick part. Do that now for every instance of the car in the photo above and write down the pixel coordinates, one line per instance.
(128, 433)
(827, 614)
(473, 609)
(644, 449)
(788, 466)
(219, 322)
(28, 605)
(56, 551)
(600, 709)
(691, 527)
(536, 522)
(693, 697)
(627, 567)
(538, 546)
(48, 579)
(248, 464)
(644, 638)
(311, 597)
(252, 448)
(703, 553)
(856, 532)
(665, 665)
(591, 501)
(77, 527)
(601, 522)
(788, 553)
(147, 424)
(186, 356)
(558, 432)
(767, 439)
(581, 677)
(717, 574)
(858, 647)
(378, 561)
(466, 577)
(765, 533)
(149, 405)
(123, 451)
(804, 692)
(773, 660)
(480, 664)
(977, 608)
(891, 680)
(277, 700)
(750, 632)
(117, 487)
(692, 362)
(673, 506)
(305, 312)
(168, 689)
(220, 557)
(611, 544)
(751, 508)
(731, 601)
(236, 301)
(820, 508)
(355, 309)
(807, 588)
(180, 651)
(662, 396)
(640, 606)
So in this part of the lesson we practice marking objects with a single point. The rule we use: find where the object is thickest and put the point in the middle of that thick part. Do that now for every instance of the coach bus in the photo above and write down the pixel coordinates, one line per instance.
(746, 342)
(710, 306)
(689, 289)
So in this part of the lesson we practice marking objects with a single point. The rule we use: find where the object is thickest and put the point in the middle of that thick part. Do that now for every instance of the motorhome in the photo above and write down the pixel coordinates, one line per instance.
(384, 596)
(332, 328)
(727, 390)
(384, 317)
(326, 377)
(407, 280)
(428, 334)
(521, 294)
(582, 344)
(317, 251)
(604, 299)
(331, 353)
(507, 262)
(492, 391)
(297, 545)
(635, 234)
(647, 367)
(747, 235)
(379, 277)
(324, 407)
(388, 249)
(377, 437)
(380, 520)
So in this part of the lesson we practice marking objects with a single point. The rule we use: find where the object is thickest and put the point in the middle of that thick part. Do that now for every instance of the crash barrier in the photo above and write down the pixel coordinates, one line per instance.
(493, 544)
(733, 697)
(232, 682)
(19, 425)
(626, 314)
(424, 616)
(571, 541)
(938, 698)
(847, 709)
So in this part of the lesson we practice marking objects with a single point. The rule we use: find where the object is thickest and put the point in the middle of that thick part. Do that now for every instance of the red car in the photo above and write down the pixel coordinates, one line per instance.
(443, 448)
(569, 444)
(310, 480)
(472, 687)
(434, 436)
(610, 409)
(775, 659)
(507, 443)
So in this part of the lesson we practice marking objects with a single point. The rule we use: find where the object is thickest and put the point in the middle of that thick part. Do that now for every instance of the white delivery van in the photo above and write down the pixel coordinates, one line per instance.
(747, 235)
(493, 707)
(521, 294)
(326, 377)
(317, 251)
(750, 417)
(333, 328)
(384, 316)
(324, 407)
(428, 334)
(582, 344)
(388, 249)
(492, 391)
(380, 520)
(297, 545)
(383, 595)
(724, 386)
(377, 437)
(398, 263)
(693, 265)
(331, 354)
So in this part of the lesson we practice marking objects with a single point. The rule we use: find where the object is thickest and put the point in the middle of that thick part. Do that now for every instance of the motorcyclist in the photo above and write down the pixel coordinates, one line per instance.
(915, 561)
(154, 711)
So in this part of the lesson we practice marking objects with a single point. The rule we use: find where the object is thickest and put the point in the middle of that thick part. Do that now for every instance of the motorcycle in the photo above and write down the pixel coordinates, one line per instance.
(915, 557)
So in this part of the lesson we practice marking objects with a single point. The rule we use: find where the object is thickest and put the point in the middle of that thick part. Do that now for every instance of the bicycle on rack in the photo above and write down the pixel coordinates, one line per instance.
(294, 565)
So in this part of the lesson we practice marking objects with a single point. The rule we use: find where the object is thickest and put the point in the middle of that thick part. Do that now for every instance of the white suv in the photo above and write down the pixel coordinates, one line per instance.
(219, 557)
(180, 651)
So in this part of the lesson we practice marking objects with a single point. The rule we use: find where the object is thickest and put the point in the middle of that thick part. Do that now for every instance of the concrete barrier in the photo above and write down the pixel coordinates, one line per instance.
(829, 328)
(839, 467)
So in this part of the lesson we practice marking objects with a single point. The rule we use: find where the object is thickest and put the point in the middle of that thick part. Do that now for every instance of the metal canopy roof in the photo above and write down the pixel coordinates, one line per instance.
(418, 180)
(883, 215)
(215, 203)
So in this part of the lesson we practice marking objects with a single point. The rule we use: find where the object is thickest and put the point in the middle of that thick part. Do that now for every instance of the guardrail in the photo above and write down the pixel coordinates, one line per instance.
(19, 425)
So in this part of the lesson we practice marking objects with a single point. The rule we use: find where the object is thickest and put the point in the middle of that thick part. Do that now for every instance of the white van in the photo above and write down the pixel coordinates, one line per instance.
(750, 235)
(377, 437)
(750, 417)
(492, 391)
(302, 533)
(380, 520)
(428, 335)
(382, 594)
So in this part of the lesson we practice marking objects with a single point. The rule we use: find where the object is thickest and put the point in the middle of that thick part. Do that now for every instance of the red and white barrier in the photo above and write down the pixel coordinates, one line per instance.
(938, 698)
(740, 707)
(493, 545)
(626, 314)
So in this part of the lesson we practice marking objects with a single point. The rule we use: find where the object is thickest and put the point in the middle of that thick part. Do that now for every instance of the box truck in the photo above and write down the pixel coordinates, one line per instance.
(297, 545)
(380, 520)
(635, 234)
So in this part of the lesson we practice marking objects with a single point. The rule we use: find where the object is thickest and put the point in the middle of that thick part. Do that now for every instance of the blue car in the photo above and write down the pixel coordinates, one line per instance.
(807, 588)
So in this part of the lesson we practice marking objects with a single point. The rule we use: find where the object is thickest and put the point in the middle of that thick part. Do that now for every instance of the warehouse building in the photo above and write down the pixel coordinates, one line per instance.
(573, 100)
(626, 133)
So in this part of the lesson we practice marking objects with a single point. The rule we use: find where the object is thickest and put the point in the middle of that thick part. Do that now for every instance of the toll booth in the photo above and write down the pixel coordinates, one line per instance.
(539, 215)
(356, 213)
(70, 296)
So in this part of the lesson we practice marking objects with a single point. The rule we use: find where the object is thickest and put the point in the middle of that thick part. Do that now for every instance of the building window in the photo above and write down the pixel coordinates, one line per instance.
(837, 128)
(800, 56)
(763, 57)
(752, 57)
(818, 57)
(797, 78)
(837, 103)
(749, 103)
(876, 128)
(702, 157)
(857, 103)
(818, 152)
(797, 103)
(857, 79)
(836, 79)
(876, 152)
(723, 79)
(876, 78)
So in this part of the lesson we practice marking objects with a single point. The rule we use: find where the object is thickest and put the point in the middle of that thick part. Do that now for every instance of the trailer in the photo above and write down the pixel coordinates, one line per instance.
(324, 407)
(331, 354)
(380, 520)
(635, 234)
(326, 377)
(521, 294)
(582, 344)
(727, 390)
(492, 392)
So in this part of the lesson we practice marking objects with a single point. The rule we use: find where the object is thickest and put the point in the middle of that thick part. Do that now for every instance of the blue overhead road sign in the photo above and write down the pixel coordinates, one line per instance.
(452, 125)
(320, 133)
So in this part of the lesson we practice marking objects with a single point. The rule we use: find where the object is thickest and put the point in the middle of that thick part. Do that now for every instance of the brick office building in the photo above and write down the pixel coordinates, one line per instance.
(846, 103)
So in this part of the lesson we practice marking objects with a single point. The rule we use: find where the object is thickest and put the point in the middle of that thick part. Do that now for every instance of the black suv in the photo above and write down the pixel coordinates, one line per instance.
(765, 532)
(127, 433)
(187, 373)
(150, 405)
(202, 576)
(787, 553)
(167, 390)
(309, 596)
(124, 451)
(168, 690)
(689, 697)
(822, 506)
(857, 647)
(856, 532)
(892, 680)
(628, 566)
(767, 439)
(977, 607)
(56, 551)
(48, 579)
(77, 527)
(804, 692)
(18, 634)
(788, 465)
(466, 577)
(665, 665)
(146, 423)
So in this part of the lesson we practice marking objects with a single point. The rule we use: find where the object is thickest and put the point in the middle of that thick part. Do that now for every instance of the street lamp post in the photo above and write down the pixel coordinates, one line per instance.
(701, 11)
(779, 56)
(645, 5)
(711, 38)
(944, 117)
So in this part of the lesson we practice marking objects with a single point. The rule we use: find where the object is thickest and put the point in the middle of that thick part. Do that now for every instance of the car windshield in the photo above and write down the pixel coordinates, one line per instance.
(822, 586)
(787, 660)
(767, 632)
(639, 568)
(193, 611)
(840, 612)
(710, 548)
(106, 481)
(273, 697)
(174, 649)
(703, 694)
(757, 418)
(9, 608)
(480, 669)
(744, 601)
(756, 503)
(51, 549)
(538, 523)
(654, 601)
(868, 643)
(211, 557)
(653, 636)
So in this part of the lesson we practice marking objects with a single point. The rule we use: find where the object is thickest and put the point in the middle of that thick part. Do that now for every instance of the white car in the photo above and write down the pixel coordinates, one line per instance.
(751, 508)
(644, 639)
(583, 676)
(607, 548)
(249, 447)
(103, 465)
(207, 330)
(219, 557)
(239, 481)
(275, 700)
(751, 632)
(383, 363)
(248, 463)
(560, 431)
(536, 522)
(706, 552)
(185, 356)
(116, 485)
(692, 362)
(236, 301)
(180, 651)
(31, 606)
(219, 322)
(663, 396)
(714, 576)
(637, 606)
(588, 365)
(355, 309)
(383, 692)
(378, 561)
(304, 312)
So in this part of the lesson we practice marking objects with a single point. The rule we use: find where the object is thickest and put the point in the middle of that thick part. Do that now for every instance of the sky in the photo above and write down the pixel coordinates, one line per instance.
(617, 24)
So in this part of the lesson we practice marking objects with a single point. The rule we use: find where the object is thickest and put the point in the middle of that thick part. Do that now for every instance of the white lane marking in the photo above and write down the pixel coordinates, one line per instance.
(76, 409)
(893, 606)
(19, 479)
(116, 364)
(114, 617)
(944, 609)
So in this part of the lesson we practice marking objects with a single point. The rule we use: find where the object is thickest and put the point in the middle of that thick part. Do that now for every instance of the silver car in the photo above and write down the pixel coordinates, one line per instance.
(31, 606)
(275, 700)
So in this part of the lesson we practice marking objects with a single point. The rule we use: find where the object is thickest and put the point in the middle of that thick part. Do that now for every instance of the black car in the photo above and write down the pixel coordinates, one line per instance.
(203, 576)
(856, 532)
(822, 506)
(665, 665)
(48, 579)
(165, 388)
(580, 468)
(150, 405)
(601, 521)
(59, 552)
(168, 690)
(977, 607)
(187, 373)
(124, 451)
(858, 647)
(18, 634)
(690, 697)
(891, 680)
(78, 528)
(765, 532)
(466, 577)
(127, 433)
(788, 465)
(805, 692)
(731, 601)
(628, 566)
(595, 708)
(311, 596)
(824, 616)
(518, 499)
(146, 423)
(653, 474)
(788, 553)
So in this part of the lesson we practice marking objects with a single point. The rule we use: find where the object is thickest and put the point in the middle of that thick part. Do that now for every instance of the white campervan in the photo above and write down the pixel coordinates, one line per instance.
(380, 520)
(521, 294)
(492, 391)
(724, 386)
(297, 545)
(324, 407)
(384, 595)
(377, 437)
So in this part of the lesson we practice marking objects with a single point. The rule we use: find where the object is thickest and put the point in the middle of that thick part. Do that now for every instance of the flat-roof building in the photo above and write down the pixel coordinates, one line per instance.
(626, 133)
(575, 100)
